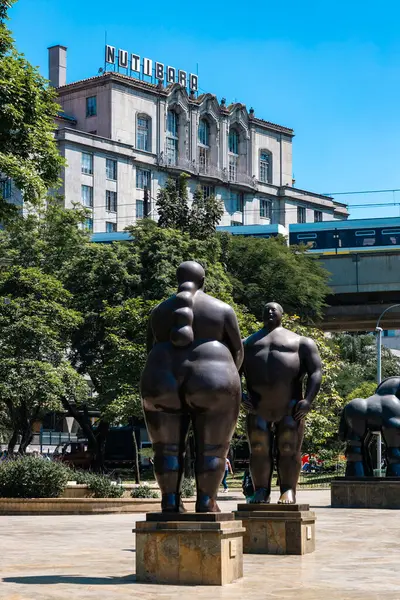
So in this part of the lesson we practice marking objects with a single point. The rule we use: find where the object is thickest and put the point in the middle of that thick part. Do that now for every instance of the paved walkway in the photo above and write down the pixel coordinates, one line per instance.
(64, 557)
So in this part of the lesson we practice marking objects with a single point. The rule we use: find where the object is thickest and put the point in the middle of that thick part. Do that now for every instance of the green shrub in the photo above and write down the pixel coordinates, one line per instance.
(188, 488)
(144, 491)
(32, 477)
(101, 486)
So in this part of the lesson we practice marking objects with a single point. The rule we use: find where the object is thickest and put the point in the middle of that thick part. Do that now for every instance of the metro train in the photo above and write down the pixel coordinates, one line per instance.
(326, 237)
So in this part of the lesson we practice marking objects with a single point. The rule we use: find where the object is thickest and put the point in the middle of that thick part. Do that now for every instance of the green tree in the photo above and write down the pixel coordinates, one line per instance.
(358, 353)
(365, 390)
(264, 270)
(205, 214)
(28, 150)
(36, 323)
(172, 203)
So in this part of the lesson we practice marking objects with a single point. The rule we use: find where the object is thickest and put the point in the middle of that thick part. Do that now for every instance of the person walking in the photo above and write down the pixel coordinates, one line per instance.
(228, 469)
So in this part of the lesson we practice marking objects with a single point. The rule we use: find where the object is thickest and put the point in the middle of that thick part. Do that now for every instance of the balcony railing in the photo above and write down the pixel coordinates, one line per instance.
(192, 166)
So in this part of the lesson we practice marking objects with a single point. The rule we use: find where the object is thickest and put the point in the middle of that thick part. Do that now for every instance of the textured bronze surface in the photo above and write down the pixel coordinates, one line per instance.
(276, 362)
(191, 376)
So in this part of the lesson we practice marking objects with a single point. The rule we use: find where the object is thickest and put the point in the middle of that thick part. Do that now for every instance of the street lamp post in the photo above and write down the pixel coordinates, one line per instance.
(379, 331)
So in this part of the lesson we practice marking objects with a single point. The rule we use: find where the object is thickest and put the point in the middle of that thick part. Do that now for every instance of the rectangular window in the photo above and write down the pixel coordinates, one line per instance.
(203, 159)
(208, 190)
(236, 202)
(91, 106)
(236, 223)
(111, 169)
(87, 196)
(232, 168)
(142, 179)
(265, 167)
(111, 201)
(265, 208)
(89, 224)
(139, 209)
(111, 227)
(142, 134)
(5, 188)
(171, 151)
(301, 214)
(317, 216)
(87, 163)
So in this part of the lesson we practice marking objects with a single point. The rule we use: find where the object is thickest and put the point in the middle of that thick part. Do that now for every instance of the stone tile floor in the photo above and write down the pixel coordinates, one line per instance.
(92, 557)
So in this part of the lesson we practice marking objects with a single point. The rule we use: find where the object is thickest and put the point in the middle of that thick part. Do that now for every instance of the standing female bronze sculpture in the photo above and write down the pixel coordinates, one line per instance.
(276, 361)
(191, 375)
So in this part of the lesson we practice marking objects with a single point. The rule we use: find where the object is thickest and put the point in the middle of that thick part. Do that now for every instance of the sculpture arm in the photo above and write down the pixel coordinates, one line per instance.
(233, 338)
(311, 362)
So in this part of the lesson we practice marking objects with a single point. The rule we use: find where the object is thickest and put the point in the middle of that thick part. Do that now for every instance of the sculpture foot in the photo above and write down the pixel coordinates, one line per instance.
(207, 505)
(261, 496)
(288, 497)
(172, 503)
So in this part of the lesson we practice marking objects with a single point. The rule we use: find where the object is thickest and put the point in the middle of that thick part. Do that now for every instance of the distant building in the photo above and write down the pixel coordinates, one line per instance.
(120, 134)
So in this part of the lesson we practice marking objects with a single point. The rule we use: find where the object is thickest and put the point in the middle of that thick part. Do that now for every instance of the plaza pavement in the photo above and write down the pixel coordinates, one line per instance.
(92, 558)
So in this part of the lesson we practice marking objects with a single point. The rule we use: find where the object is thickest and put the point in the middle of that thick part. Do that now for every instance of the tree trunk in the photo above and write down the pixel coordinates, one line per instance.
(26, 439)
(135, 457)
(12, 441)
(85, 425)
(101, 436)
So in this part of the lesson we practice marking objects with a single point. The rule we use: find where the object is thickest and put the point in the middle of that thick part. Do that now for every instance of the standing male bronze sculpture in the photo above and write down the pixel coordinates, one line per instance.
(191, 375)
(276, 362)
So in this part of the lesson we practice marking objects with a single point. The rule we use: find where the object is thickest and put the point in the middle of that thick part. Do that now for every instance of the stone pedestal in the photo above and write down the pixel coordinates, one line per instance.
(365, 492)
(192, 548)
(277, 528)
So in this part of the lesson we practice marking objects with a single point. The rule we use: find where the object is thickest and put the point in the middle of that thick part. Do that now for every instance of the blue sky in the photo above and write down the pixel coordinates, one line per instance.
(331, 71)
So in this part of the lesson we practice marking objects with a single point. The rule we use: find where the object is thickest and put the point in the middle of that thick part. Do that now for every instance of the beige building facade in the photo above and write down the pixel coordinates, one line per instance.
(120, 134)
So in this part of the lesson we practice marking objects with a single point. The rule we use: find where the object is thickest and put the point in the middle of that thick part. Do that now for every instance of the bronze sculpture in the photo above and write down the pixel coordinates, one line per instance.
(191, 375)
(275, 364)
(361, 417)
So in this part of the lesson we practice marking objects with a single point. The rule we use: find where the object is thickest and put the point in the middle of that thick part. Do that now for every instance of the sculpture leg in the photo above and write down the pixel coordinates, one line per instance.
(261, 458)
(355, 452)
(289, 437)
(391, 436)
(168, 432)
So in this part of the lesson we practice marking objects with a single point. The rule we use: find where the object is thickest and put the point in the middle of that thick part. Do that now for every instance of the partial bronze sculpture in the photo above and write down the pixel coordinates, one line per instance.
(191, 375)
(361, 417)
(276, 361)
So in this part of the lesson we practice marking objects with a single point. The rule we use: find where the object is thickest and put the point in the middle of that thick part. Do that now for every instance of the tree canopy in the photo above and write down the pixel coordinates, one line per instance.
(28, 150)
(262, 270)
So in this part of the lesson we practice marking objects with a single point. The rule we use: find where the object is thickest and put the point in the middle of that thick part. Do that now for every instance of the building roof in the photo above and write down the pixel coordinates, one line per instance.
(110, 75)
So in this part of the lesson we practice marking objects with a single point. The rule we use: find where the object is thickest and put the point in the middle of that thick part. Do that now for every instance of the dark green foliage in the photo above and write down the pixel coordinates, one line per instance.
(28, 150)
(358, 352)
(199, 221)
(263, 270)
(188, 488)
(144, 491)
(100, 486)
(31, 477)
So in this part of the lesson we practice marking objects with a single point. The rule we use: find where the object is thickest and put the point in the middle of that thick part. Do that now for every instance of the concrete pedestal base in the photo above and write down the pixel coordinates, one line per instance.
(365, 492)
(277, 528)
(192, 548)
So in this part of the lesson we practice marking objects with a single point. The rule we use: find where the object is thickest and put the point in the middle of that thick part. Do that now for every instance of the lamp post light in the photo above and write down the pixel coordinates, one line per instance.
(379, 331)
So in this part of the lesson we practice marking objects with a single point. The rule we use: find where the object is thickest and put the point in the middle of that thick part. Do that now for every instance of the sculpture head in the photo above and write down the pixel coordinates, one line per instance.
(389, 387)
(192, 272)
(272, 315)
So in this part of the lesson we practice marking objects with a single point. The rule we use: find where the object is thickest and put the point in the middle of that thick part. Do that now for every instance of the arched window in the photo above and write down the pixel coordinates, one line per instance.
(204, 147)
(265, 166)
(143, 138)
(233, 147)
(172, 140)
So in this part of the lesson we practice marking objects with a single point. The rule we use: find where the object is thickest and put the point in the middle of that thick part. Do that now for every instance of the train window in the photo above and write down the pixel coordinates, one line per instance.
(392, 237)
(306, 236)
(365, 232)
(365, 237)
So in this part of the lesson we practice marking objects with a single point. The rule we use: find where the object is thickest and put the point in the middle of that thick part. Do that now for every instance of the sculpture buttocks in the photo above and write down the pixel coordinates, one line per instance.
(191, 375)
